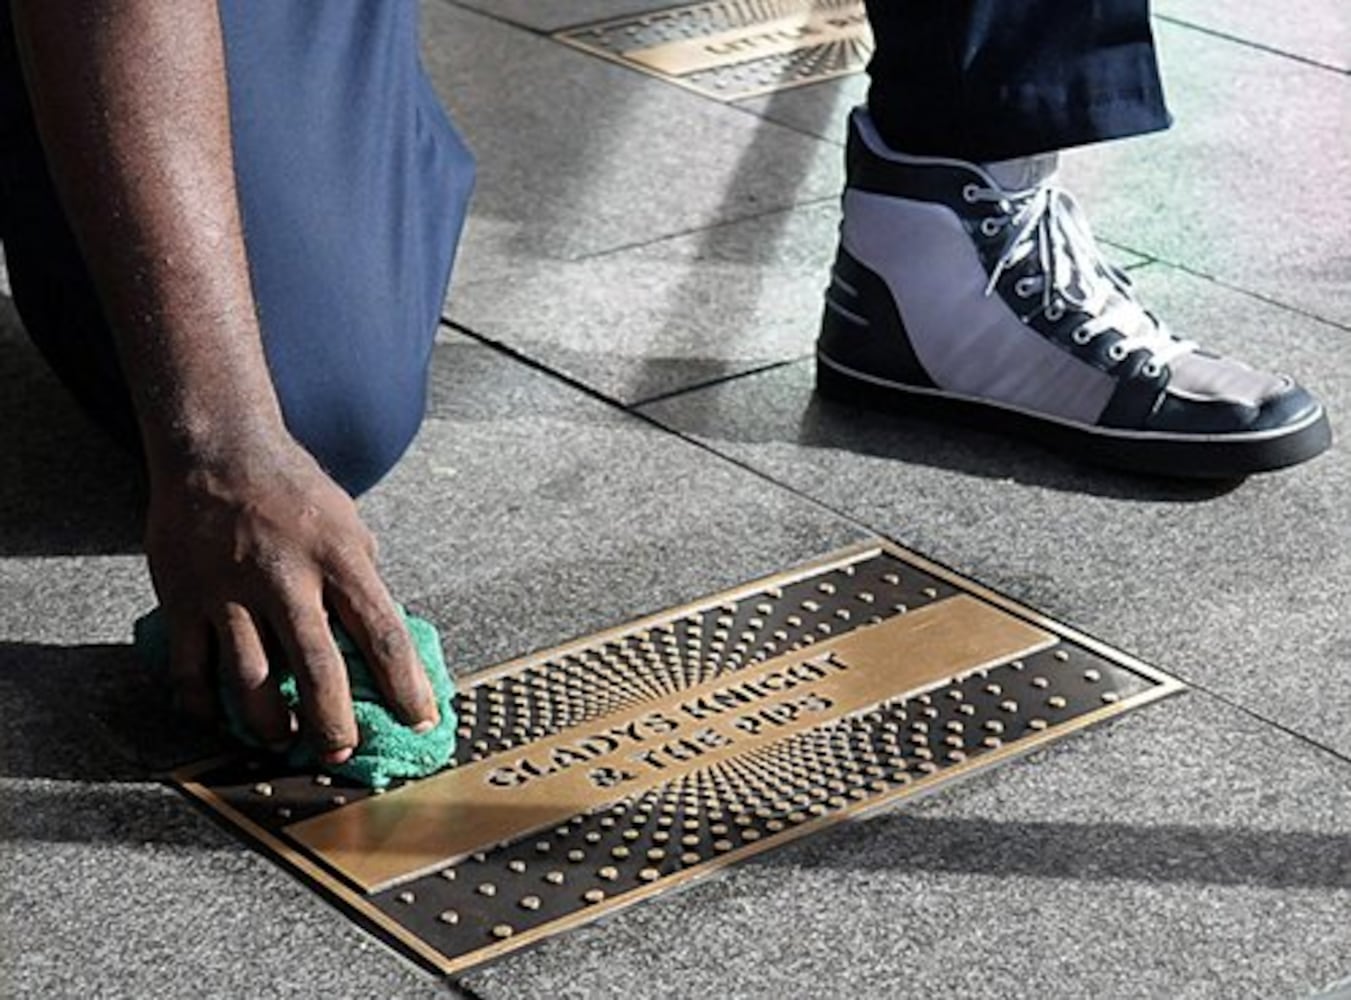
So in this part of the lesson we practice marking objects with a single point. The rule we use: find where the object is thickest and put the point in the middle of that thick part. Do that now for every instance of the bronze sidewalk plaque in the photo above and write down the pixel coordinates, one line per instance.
(624, 764)
(731, 49)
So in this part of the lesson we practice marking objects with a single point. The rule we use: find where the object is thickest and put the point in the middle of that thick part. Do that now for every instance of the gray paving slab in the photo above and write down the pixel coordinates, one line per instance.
(577, 155)
(1248, 186)
(1238, 587)
(818, 108)
(121, 889)
(1182, 852)
(679, 312)
(1317, 30)
(558, 14)
(641, 323)
(526, 513)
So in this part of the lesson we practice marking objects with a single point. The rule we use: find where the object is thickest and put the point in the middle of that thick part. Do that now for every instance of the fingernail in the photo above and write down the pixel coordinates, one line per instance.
(425, 726)
(336, 756)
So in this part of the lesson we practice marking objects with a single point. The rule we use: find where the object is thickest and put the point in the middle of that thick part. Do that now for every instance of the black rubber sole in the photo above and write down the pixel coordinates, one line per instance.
(1211, 457)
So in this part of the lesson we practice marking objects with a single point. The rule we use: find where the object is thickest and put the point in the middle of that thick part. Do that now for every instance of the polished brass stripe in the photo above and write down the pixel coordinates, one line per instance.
(752, 41)
(384, 840)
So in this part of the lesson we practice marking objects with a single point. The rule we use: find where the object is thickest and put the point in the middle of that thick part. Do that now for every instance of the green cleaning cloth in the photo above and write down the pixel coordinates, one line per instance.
(387, 749)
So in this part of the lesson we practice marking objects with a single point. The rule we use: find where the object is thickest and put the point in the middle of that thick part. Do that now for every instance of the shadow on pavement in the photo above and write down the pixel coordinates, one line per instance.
(65, 489)
(1107, 851)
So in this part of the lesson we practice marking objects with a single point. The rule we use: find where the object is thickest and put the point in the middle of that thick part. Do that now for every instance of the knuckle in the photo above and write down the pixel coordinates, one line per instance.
(390, 641)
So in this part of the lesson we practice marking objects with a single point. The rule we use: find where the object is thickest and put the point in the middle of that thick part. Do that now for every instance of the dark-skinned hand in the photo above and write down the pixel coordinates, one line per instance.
(249, 553)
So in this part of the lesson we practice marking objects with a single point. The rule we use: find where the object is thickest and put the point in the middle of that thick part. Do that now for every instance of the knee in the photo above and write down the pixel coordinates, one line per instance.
(356, 428)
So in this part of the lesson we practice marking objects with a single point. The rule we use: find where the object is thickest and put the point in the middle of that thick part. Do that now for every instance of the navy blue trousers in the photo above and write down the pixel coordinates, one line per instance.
(353, 184)
(995, 79)
(353, 187)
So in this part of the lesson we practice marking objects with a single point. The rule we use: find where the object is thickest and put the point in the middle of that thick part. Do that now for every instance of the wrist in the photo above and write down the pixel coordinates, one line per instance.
(217, 442)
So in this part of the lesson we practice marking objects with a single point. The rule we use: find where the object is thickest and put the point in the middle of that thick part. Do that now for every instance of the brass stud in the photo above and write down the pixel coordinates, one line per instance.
(487, 889)
(448, 874)
(690, 858)
(323, 779)
(503, 931)
(690, 840)
(1061, 655)
(1009, 705)
(992, 742)
(619, 853)
(1056, 701)
(750, 834)
(649, 874)
(930, 592)
(516, 865)
(406, 897)
(1110, 697)
(655, 854)
(554, 878)
(283, 813)
(530, 902)
(1040, 682)
(263, 789)
(542, 846)
(340, 800)
(576, 856)
(448, 917)
(1037, 724)
(1092, 676)
(722, 845)
(594, 895)
(994, 689)
(774, 825)
(609, 873)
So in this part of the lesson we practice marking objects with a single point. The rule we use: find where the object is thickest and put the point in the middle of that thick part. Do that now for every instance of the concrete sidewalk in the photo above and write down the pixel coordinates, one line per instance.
(623, 419)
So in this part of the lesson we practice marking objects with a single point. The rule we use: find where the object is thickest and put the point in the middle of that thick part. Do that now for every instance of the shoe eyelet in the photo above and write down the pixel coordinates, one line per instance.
(1025, 288)
(990, 226)
(1055, 310)
(970, 194)
(1081, 337)
(1151, 369)
(1116, 352)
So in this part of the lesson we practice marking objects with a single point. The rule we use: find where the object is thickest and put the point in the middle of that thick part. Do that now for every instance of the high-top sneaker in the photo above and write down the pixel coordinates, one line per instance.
(979, 293)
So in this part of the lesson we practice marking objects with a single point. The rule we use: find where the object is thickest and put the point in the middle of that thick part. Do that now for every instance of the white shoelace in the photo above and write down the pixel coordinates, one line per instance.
(1046, 221)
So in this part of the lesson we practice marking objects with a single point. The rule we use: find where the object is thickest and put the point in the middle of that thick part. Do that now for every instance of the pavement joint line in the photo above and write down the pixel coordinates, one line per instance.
(1250, 293)
(844, 515)
(497, 18)
(719, 380)
(765, 113)
(1252, 44)
(755, 216)
(679, 234)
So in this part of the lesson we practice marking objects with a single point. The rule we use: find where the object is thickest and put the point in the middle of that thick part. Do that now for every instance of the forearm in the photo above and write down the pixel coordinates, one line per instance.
(132, 104)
